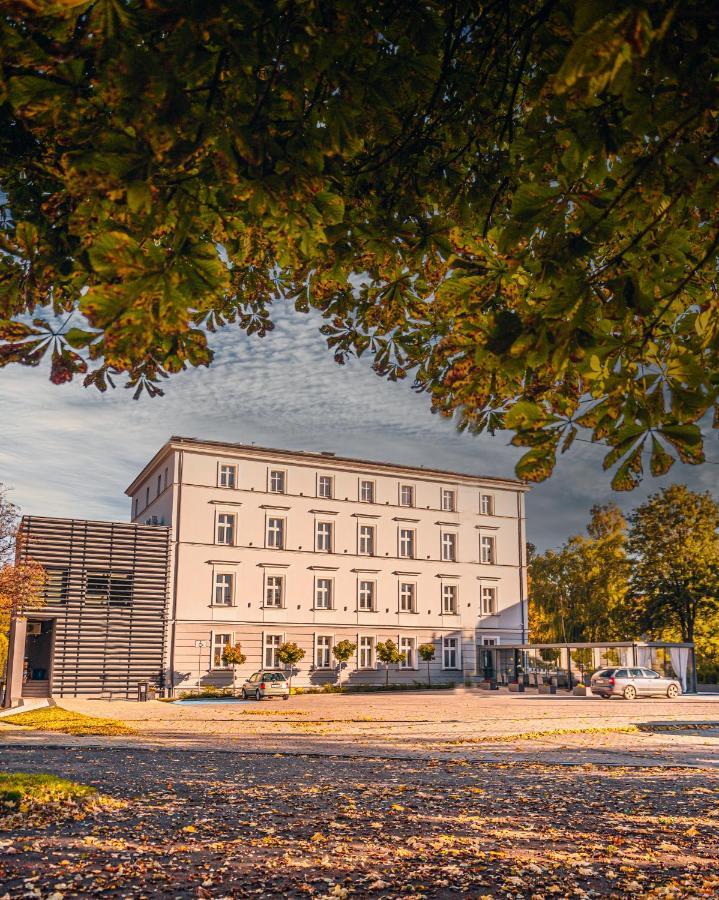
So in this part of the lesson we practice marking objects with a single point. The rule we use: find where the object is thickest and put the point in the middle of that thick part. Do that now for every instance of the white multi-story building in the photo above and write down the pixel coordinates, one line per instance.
(270, 546)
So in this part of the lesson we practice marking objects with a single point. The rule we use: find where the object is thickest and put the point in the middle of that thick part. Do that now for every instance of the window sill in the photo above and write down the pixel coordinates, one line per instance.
(323, 609)
(272, 607)
(222, 605)
(367, 610)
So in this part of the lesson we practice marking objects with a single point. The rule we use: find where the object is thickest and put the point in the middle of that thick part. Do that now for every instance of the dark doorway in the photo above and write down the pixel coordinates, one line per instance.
(38, 658)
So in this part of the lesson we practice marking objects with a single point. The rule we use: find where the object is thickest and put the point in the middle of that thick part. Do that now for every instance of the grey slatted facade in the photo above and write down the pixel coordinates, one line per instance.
(107, 595)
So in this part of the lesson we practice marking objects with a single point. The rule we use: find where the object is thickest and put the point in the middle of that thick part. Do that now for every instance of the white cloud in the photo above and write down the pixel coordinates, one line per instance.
(69, 451)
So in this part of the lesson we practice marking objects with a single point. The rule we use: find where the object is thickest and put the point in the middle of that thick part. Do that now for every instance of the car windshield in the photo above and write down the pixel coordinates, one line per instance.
(605, 673)
(273, 676)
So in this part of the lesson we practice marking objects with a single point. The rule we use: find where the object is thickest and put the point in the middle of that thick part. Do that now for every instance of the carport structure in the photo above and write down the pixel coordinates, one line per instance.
(568, 663)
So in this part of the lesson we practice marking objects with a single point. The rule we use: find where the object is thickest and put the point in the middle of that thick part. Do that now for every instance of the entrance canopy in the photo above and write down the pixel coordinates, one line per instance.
(572, 661)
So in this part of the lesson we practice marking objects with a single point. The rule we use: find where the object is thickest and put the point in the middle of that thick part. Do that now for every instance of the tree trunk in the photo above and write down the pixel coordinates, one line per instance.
(386, 675)
(429, 677)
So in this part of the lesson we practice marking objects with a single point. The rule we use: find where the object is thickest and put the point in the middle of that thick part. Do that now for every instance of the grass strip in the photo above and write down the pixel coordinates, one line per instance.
(54, 718)
(18, 791)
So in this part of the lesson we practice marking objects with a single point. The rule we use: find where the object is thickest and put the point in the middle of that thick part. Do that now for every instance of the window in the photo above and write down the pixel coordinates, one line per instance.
(408, 646)
(147, 496)
(489, 601)
(165, 477)
(486, 548)
(450, 653)
(272, 645)
(135, 505)
(159, 485)
(366, 540)
(111, 588)
(406, 597)
(367, 491)
(365, 600)
(226, 528)
(449, 546)
(323, 593)
(323, 651)
(406, 495)
(274, 590)
(227, 476)
(276, 533)
(324, 537)
(277, 481)
(223, 590)
(366, 653)
(56, 584)
(406, 543)
(486, 504)
(219, 642)
(449, 500)
(449, 599)
(324, 487)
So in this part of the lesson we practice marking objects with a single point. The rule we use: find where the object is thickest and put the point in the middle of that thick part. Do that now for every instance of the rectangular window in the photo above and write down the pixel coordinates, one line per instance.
(111, 588)
(272, 645)
(219, 642)
(366, 653)
(486, 549)
(449, 599)
(165, 478)
(489, 601)
(366, 540)
(449, 500)
(226, 528)
(449, 546)
(486, 505)
(159, 485)
(56, 585)
(223, 590)
(406, 543)
(323, 651)
(324, 537)
(408, 646)
(276, 533)
(325, 487)
(323, 593)
(277, 481)
(367, 491)
(274, 590)
(450, 653)
(406, 495)
(406, 597)
(135, 506)
(365, 597)
(147, 496)
(227, 476)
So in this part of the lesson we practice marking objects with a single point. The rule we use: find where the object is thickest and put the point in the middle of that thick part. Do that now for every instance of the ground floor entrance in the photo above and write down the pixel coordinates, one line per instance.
(37, 661)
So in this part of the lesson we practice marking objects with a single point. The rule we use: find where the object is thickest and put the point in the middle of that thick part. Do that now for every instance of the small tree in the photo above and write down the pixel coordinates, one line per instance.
(289, 654)
(342, 651)
(233, 656)
(389, 654)
(426, 651)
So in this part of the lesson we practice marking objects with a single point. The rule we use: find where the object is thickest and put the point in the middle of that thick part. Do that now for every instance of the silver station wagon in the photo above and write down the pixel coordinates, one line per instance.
(266, 684)
(633, 682)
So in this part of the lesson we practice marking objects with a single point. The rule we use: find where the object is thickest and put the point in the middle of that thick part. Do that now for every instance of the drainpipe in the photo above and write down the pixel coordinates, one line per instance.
(522, 557)
(175, 570)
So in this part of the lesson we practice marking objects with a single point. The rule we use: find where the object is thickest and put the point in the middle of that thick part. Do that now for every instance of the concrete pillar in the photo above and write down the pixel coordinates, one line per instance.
(15, 661)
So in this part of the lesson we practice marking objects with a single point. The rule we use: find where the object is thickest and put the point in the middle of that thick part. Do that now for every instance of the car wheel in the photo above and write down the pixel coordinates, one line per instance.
(285, 696)
(606, 696)
(672, 692)
(244, 694)
(258, 695)
(630, 693)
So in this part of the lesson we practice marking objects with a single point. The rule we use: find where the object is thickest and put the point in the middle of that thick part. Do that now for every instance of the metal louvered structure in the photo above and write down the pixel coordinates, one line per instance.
(106, 596)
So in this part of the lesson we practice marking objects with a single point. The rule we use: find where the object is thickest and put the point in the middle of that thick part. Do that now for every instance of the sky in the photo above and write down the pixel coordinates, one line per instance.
(71, 451)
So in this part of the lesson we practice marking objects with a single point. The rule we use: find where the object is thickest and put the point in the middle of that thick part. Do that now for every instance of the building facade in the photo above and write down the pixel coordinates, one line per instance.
(268, 546)
(102, 628)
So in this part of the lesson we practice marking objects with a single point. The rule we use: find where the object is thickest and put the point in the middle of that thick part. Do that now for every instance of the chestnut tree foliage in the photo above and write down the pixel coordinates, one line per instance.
(514, 204)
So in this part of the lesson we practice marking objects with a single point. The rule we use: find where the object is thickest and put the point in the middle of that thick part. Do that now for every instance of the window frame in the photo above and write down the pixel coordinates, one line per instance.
(412, 532)
(274, 647)
(281, 531)
(219, 665)
(330, 479)
(330, 643)
(407, 589)
(457, 649)
(404, 486)
(280, 579)
(413, 663)
(490, 541)
(223, 470)
(444, 545)
(330, 593)
(232, 525)
(215, 586)
(328, 533)
(372, 490)
(492, 590)
(372, 529)
(372, 595)
(490, 504)
(371, 646)
(270, 478)
(452, 493)
(455, 602)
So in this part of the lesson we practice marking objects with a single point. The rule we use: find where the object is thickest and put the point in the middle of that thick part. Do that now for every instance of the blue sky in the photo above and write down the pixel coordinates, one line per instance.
(70, 451)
